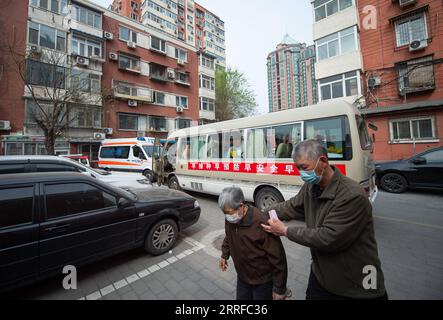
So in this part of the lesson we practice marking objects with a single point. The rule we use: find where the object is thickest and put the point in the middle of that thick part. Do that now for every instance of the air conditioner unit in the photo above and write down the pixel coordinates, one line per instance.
(405, 3)
(108, 131)
(34, 49)
(374, 82)
(132, 103)
(162, 26)
(108, 35)
(113, 56)
(171, 74)
(418, 45)
(82, 61)
(181, 62)
(179, 109)
(5, 125)
(99, 136)
(131, 45)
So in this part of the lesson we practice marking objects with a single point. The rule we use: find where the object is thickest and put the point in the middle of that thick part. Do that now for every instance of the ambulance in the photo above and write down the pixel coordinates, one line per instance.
(131, 155)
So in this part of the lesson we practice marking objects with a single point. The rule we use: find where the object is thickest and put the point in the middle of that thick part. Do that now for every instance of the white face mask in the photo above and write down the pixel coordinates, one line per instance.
(233, 218)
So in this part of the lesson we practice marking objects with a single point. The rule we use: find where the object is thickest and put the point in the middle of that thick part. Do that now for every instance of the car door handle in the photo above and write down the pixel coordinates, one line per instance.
(61, 227)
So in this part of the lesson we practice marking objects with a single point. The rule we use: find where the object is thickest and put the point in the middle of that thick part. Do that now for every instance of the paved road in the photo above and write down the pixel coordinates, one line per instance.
(409, 232)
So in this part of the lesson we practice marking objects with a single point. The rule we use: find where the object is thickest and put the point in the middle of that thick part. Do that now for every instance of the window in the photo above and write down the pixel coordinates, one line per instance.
(182, 77)
(181, 55)
(416, 75)
(412, 129)
(207, 104)
(182, 123)
(207, 82)
(158, 72)
(159, 97)
(343, 85)
(44, 74)
(114, 152)
(17, 206)
(434, 156)
(285, 138)
(128, 122)
(134, 16)
(74, 198)
(86, 16)
(50, 167)
(85, 117)
(233, 145)
(34, 111)
(85, 82)
(128, 63)
(334, 134)
(127, 34)
(410, 29)
(181, 102)
(47, 37)
(157, 124)
(86, 48)
(12, 168)
(138, 152)
(207, 62)
(336, 44)
(325, 8)
(56, 6)
(365, 140)
(158, 44)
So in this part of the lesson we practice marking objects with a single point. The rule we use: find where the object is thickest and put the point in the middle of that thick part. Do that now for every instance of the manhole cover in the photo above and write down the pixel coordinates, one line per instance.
(218, 242)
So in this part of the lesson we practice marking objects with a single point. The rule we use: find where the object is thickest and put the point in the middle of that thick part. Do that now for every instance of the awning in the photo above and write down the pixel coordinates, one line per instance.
(404, 107)
(409, 13)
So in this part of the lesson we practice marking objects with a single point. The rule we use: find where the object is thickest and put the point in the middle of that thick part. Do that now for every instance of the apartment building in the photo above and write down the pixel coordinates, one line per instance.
(193, 24)
(291, 78)
(403, 55)
(114, 76)
(339, 66)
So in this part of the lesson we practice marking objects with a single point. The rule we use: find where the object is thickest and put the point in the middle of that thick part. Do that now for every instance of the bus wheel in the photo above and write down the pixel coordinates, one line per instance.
(173, 183)
(149, 175)
(267, 197)
(162, 237)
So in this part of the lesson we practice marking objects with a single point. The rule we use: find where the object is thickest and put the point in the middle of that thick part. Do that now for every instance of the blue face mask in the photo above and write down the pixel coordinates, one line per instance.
(310, 176)
(233, 218)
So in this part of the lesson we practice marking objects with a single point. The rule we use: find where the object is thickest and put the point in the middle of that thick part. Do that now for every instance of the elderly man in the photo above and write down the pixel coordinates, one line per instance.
(339, 229)
(259, 257)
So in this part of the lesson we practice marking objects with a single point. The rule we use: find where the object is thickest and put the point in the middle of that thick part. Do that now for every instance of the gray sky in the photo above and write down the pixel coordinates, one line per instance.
(253, 29)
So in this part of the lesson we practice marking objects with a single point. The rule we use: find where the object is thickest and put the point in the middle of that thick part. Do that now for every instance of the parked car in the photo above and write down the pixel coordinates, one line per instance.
(53, 219)
(20, 164)
(424, 170)
(78, 157)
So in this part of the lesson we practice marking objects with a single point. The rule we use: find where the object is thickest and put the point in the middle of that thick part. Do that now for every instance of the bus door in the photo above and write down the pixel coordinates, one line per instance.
(158, 162)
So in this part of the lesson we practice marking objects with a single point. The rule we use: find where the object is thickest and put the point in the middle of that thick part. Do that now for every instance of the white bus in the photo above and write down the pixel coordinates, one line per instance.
(255, 153)
(131, 155)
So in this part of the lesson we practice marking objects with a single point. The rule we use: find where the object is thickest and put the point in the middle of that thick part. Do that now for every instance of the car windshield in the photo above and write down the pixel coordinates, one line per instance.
(148, 150)
(98, 171)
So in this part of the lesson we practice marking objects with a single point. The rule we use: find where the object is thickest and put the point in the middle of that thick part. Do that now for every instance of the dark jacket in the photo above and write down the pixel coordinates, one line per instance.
(258, 257)
(340, 232)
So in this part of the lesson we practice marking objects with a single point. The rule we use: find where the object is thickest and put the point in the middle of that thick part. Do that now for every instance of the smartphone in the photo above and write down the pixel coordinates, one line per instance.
(273, 215)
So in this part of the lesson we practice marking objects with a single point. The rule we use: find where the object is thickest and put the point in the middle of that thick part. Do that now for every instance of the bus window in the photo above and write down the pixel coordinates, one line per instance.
(286, 137)
(214, 146)
(198, 148)
(184, 149)
(259, 143)
(233, 145)
(334, 134)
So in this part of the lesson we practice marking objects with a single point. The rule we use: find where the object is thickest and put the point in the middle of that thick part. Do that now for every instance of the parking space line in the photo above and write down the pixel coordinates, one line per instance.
(410, 222)
(196, 246)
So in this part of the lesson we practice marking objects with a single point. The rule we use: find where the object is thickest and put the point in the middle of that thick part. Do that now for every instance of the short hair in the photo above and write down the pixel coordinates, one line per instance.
(231, 197)
(310, 149)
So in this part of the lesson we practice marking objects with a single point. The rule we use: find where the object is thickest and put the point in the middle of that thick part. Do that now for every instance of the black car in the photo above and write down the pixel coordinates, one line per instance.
(424, 170)
(50, 220)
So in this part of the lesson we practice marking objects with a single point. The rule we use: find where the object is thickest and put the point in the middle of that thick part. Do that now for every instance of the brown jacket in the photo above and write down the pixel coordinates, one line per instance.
(258, 257)
(340, 232)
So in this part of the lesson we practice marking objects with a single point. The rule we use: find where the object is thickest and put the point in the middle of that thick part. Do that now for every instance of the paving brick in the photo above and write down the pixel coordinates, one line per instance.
(131, 295)
(207, 285)
(173, 286)
(139, 287)
(154, 285)
(190, 286)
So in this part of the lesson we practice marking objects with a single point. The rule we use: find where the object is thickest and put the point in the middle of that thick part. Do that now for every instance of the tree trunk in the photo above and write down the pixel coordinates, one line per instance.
(50, 142)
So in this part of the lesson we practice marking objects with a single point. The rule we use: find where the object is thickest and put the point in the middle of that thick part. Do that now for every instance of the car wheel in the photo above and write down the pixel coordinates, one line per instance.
(162, 237)
(394, 183)
(149, 175)
(173, 183)
(268, 197)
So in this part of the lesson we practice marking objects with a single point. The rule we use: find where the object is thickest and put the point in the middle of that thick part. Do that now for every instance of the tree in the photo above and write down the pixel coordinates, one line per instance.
(52, 86)
(233, 96)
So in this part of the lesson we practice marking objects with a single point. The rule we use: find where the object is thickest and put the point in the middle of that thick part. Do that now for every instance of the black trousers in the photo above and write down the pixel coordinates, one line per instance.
(316, 292)
(247, 291)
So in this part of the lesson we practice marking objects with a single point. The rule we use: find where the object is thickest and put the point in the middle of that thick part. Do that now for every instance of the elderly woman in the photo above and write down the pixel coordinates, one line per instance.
(259, 257)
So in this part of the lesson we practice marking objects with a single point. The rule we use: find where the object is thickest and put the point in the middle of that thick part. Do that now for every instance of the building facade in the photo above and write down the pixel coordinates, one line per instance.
(402, 49)
(115, 76)
(291, 78)
(196, 26)
(339, 66)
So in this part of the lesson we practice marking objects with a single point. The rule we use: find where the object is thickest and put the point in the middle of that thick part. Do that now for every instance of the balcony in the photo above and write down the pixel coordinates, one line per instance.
(158, 73)
(127, 91)
(416, 76)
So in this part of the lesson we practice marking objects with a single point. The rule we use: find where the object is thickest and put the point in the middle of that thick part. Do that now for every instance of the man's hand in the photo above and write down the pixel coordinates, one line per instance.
(275, 227)
(276, 296)
(223, 264)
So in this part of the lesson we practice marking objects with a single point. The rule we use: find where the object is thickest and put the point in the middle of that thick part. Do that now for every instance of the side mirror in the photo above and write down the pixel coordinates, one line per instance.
(123, 203)
(419, 160)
